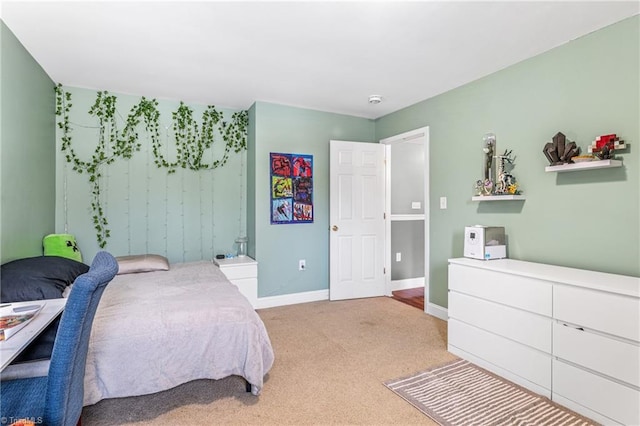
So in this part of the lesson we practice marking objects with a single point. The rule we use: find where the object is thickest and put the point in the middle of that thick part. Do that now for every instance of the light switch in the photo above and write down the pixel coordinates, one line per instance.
(443, 203)
(398, 257)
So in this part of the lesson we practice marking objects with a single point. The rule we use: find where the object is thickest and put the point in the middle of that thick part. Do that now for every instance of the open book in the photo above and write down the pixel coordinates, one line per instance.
(14, 318)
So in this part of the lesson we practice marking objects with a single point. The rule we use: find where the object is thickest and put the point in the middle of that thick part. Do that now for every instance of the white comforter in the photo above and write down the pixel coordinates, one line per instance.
(156, 330)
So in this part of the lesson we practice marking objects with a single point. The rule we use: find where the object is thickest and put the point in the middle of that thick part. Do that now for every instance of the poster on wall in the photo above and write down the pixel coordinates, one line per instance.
(291, 188)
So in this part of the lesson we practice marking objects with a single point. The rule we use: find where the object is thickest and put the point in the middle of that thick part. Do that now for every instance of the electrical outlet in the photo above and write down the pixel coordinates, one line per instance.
(302, 265)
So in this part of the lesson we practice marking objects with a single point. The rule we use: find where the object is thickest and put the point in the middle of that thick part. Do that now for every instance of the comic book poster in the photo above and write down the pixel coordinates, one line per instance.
(281, 210)
(281, 187)
(291, 188)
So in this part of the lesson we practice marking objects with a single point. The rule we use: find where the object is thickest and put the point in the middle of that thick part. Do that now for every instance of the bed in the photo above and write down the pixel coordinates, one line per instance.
(156, 330)
(156, 326)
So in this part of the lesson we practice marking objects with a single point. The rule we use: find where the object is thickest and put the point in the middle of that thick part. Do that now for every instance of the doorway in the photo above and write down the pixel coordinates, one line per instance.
(407, 193)
(411, 296)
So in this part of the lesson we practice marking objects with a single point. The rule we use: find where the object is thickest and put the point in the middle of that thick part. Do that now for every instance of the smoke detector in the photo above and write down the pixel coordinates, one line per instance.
(375, 99)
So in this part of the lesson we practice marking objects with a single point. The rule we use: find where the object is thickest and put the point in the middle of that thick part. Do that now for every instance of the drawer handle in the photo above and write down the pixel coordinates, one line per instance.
(573, 326)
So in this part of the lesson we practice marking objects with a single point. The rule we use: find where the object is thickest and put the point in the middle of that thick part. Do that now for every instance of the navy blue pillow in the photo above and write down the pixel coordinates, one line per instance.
(37, 278)
(42, 346)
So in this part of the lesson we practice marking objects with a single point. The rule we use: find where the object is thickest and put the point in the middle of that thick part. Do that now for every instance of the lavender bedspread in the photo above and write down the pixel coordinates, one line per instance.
(156, 330)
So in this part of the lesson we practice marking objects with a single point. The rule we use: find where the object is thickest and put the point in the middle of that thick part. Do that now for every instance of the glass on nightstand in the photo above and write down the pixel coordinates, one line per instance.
(241, 246)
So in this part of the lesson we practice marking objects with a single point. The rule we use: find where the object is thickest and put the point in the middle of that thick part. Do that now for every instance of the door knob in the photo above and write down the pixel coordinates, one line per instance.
(334, 228)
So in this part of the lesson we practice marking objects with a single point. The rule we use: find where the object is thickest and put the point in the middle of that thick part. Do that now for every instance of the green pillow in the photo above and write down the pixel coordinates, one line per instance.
(63, 245)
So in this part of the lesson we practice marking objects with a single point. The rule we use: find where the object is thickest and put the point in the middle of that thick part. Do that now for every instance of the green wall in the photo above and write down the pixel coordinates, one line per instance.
(587, 219)
(27, 151)
(279, 247)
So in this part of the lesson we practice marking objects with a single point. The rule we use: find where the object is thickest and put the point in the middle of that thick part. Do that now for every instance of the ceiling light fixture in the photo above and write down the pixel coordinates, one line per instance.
(375, 99)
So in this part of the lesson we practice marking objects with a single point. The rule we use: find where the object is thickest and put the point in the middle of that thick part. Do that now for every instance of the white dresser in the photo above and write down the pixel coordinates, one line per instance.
(243, 272)
(569, 334)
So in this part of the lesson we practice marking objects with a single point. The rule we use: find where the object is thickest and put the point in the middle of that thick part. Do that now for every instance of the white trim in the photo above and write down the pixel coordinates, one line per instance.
(407, 136)
(427, 216)
(436, 311)
(292, 299)
(407, 283)
(318, 295)
(387, 223)
(405, 217)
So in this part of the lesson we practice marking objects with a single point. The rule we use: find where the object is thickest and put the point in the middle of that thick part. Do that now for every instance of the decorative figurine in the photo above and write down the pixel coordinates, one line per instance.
(559, 151)
(488, 149)
(505, 182)
(604, 146)
(605, 153)
(479, 187)
(505, 179)
(487, 187)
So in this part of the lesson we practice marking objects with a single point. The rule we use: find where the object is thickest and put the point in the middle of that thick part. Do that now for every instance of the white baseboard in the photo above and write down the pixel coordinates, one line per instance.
(292, 299)
(437, 311)
(407, 284)
(314, 296)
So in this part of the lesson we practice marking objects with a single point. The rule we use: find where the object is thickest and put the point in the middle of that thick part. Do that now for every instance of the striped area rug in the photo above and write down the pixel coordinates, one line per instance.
(460, 393)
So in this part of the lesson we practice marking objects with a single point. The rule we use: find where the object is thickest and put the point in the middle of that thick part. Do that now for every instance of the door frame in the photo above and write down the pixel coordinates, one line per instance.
(422, 132)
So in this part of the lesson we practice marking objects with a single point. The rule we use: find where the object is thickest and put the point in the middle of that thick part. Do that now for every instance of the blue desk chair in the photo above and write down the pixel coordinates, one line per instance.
(56, 399)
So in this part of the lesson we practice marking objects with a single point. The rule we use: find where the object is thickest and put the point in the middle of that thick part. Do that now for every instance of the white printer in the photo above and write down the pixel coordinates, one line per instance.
(485, 242)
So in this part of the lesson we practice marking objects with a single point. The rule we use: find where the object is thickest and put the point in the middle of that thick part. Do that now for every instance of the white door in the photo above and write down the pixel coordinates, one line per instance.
(356, 220)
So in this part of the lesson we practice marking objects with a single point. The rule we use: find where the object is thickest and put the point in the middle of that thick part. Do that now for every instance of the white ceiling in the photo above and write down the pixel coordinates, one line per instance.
(324, 55)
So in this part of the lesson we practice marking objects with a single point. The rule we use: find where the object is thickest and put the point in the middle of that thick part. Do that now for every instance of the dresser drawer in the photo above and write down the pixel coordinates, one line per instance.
(522, 326)
(520, 292)
(611, 357)
(613, 400)
(240, 271)
(530, 364)
(610, 313)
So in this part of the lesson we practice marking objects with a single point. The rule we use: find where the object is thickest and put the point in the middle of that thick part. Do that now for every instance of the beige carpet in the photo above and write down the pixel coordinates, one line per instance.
(332, 359)
(460, 393)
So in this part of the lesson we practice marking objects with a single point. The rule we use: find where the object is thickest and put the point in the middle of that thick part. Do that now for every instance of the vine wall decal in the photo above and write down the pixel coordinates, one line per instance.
(191, 139)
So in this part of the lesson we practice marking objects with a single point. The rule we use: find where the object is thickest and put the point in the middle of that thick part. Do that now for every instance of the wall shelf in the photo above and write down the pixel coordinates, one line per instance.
(497, 198)
(595, 164)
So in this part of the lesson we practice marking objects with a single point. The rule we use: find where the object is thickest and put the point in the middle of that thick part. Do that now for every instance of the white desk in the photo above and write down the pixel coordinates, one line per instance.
(11, 348)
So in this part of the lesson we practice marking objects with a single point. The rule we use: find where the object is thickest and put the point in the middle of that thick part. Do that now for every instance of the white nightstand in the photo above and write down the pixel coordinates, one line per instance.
(243, 272)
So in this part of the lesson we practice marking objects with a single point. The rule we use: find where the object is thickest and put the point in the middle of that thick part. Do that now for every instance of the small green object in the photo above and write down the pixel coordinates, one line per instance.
(63, 245)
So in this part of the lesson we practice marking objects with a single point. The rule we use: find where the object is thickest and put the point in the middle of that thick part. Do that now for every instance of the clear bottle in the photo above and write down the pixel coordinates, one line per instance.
(241, 246)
